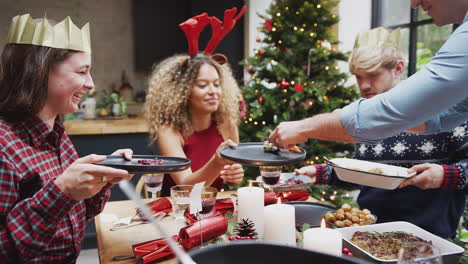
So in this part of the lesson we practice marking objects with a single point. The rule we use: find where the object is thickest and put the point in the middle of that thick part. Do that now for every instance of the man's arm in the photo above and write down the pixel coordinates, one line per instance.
(441, 85)
(325, 126)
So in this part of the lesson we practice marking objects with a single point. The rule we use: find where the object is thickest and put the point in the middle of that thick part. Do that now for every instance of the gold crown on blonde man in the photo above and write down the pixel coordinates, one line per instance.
(64, 35)
(380, 38)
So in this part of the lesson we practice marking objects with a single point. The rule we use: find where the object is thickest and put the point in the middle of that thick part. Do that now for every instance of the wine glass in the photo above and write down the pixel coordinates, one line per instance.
(153, 183)
(418, 253)
(270, 175)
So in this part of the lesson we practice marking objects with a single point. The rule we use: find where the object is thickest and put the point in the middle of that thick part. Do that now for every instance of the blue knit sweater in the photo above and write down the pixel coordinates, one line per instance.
(435, 210)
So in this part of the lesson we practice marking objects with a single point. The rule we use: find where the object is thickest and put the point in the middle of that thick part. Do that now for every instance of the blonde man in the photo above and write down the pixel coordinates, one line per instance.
(378, 66)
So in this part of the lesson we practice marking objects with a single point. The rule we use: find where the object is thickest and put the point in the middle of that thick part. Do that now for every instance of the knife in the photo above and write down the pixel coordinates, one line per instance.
(123, 257)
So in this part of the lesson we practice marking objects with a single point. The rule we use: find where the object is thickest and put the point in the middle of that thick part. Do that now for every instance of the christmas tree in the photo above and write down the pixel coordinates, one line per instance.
(294, 74)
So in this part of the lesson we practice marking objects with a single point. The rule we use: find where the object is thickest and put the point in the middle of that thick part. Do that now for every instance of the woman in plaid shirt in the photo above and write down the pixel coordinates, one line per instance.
(47, 193)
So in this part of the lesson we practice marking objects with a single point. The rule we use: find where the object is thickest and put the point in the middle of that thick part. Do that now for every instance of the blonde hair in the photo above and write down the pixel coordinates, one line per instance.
(370, 58)
(170, 87)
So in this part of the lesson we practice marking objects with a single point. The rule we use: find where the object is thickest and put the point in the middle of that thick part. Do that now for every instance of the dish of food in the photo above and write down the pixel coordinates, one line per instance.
(253, 154)
(347, 216)
(271, 148)
(368, 173)
(386, 245)
(449, 251)
(146, 163)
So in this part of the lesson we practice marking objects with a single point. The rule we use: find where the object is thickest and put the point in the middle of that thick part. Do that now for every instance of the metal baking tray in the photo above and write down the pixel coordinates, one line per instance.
(449, 251)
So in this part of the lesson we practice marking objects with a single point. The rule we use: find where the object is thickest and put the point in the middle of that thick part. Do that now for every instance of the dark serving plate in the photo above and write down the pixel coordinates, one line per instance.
(255, 252)
(310, 213)
(170, 164)
(252, 154)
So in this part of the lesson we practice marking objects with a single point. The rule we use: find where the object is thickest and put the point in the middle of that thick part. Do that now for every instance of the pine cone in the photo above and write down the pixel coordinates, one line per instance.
(246, 228)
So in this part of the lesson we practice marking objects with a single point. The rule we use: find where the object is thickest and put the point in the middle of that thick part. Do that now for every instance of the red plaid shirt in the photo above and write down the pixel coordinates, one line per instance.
(39, 223)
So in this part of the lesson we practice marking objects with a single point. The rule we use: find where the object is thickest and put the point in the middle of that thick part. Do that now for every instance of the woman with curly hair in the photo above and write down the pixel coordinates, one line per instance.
(193, 110)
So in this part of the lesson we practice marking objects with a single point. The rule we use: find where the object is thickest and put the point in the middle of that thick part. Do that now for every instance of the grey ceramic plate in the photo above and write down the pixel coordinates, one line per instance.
(252, 154)
(169, 164)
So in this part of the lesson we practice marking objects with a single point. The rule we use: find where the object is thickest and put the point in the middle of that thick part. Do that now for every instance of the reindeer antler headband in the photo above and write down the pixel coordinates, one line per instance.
(192, 28)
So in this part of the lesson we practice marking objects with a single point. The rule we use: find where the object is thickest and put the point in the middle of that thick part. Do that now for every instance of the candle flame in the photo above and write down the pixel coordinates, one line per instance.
(222, 190)
(323, 224)
(278, 200)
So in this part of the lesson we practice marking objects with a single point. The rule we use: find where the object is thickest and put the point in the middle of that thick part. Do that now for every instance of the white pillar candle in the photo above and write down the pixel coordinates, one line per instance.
(280, 224)
(323, 240)
(250, 206)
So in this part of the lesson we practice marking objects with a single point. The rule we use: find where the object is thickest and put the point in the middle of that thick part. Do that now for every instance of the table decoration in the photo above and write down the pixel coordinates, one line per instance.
(323, 239)
(189, 237)
(153, 250)
(157, 207)
(280, 224)
(287, 196)
(222, 206)
(250, 206)
(244, 230)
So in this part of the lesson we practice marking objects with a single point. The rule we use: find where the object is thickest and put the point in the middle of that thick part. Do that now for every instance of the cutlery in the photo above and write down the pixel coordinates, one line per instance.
(157, 218)
(123, 257)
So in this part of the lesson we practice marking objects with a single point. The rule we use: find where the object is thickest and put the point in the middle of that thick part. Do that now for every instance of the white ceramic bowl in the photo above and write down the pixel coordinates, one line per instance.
(449, 251)
(357, 171)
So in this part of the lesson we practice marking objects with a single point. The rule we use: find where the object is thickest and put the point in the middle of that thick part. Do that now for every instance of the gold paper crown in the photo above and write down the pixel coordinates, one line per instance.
(64, 35)
(379, 37)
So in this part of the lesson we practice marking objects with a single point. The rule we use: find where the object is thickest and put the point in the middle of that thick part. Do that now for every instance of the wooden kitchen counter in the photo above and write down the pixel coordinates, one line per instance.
(103, 127)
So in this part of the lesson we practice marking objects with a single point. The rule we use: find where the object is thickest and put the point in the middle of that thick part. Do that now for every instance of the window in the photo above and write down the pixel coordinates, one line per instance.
(421, 38)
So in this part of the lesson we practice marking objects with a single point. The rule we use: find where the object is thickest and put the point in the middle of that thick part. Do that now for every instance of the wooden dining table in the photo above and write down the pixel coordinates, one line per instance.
(119, 242)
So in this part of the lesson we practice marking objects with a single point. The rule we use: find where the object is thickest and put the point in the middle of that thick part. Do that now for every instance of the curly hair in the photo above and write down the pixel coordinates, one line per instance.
(170, 87)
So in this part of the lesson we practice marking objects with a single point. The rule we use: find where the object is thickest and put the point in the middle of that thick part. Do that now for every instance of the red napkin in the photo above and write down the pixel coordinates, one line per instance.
(157, 207)
(289, 196)
(222, 206)
(153, 250)
(297, 195)
(211, 227)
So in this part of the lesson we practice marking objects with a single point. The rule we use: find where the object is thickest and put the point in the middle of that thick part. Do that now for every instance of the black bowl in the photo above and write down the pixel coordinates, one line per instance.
(310, 213)
(255, 252)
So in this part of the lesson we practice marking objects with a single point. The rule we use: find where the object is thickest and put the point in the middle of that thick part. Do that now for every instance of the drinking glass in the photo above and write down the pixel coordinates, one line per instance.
(418, 253)
(208, 198)
(180, 198)
(270, 175)
(153, 183)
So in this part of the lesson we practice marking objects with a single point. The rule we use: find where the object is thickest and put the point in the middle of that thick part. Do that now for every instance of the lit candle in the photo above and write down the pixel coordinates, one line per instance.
(280, 224)
(323, 240)
(250, 206)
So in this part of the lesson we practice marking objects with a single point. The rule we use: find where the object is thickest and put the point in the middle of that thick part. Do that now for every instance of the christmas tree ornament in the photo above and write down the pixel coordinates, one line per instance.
(261, 52)
(251, 71)
(260, 100)
(268, 85)
(268, 25)
(246, 228)
(326, 44)
(258, 39)
(298, 87)
(283, 48)
(64, 35)
(283, 84)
